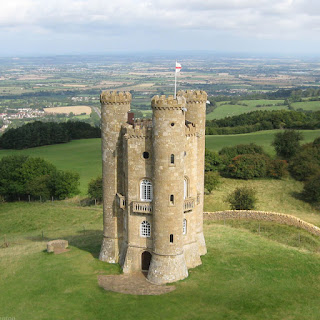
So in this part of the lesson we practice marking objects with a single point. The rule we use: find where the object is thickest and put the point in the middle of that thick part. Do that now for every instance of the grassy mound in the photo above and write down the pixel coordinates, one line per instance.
(243, 276)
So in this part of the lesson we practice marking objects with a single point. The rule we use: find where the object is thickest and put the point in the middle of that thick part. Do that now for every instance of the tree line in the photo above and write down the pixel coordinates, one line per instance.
(39, 133)
(263, 120)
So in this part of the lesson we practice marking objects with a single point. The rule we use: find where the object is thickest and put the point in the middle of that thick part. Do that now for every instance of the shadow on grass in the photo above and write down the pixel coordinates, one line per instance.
(87, 240)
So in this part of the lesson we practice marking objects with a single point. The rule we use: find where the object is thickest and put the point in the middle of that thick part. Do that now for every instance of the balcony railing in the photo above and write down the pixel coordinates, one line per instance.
(188, 204)
(121, 200)
(142, 207)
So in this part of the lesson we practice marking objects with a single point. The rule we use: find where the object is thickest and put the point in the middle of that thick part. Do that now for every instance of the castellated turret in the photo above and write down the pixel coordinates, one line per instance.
(153, 173)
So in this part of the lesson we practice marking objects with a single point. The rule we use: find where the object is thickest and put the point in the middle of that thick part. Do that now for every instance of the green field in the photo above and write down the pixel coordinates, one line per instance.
(307, 105)
(227, 110)
(82, 156)
(243, 275)
(263, 138)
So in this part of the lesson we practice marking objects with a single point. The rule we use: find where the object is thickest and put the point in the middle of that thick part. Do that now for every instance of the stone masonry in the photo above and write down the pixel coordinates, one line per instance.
(153, 172)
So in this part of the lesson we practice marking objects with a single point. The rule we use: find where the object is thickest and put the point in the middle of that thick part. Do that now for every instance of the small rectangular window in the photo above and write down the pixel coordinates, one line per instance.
(171, 238)
(172, 199)
(172, 159)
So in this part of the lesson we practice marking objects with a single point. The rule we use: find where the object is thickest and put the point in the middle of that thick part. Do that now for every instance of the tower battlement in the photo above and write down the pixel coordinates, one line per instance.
(115, 97)
(193, 96)
(169, 102)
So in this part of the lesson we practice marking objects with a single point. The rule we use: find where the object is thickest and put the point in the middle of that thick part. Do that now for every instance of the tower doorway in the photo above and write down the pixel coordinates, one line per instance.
(145, 260)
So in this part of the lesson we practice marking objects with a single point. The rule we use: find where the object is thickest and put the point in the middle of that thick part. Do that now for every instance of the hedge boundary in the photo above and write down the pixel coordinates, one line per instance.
(262, 216)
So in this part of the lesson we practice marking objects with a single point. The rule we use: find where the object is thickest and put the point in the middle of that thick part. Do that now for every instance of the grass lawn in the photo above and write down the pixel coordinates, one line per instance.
(228, 110)
(263, 138)
(243, 275)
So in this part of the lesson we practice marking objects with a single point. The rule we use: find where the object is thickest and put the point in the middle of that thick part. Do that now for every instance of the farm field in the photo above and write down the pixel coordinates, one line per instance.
(263, 138)
(243, 275)
(77, 110)
(227, 110)
(307, 105)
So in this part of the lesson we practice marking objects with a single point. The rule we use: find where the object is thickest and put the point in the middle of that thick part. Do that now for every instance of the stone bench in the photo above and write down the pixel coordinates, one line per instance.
(57, 245)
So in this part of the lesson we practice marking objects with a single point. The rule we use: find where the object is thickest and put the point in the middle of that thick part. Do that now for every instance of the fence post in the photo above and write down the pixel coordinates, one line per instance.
(259, 228)
(29, 197)
(95, 202)
(52, 199)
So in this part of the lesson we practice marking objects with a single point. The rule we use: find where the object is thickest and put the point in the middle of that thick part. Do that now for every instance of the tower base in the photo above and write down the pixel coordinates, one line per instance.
(201, 243)
(191, 254)
(109, 250)
(166, 269)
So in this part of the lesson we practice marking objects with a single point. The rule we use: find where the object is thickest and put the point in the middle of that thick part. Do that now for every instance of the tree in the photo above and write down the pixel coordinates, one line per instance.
(287, 143)
(95, 189)
(211, 180)
(242, 198)
(64, 184)
(212, 160)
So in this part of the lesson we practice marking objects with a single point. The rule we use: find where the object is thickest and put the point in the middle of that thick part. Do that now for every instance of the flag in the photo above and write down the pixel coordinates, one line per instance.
(178, 67)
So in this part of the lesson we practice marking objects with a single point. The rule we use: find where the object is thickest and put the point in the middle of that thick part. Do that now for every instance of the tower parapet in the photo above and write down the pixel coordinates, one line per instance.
(114, 97)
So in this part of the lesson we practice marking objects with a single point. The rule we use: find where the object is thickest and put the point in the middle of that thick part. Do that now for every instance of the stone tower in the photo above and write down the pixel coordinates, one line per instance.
(153, 176)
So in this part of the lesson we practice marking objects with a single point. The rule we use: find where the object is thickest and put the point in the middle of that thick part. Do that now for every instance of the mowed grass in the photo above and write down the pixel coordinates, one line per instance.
(262, 138)
(243, 275)
(227, 110)
(82, 156)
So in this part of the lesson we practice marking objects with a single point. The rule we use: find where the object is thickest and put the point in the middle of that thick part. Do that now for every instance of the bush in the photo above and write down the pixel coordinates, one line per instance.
(311, 190)
(242, 198)
(211, 180)
(95, 189)
(287, 143)
(277, 169)
(248, 166)
(229, 153)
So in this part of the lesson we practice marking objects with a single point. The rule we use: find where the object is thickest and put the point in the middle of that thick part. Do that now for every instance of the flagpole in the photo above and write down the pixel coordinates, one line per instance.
(175, 82)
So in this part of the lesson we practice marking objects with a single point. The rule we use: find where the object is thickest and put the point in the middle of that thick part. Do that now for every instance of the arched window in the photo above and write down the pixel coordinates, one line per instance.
(172, 159)
(184, 226)
(146, 190)
(185, 188)
(145, 229)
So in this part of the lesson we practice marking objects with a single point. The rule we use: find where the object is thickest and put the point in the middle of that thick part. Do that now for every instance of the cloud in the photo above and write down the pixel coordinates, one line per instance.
(260, 19)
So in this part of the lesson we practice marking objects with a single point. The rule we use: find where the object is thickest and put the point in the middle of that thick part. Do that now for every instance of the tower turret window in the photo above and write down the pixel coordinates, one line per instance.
(185, 188)
(171, 238)
(184, 226)
(172, 199)
(145, 155)
(146, 190)
(145, 229)
(172, 159)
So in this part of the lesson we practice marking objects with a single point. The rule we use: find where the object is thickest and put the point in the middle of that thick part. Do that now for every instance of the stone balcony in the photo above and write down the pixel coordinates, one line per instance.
(142, 207)
(188, 204)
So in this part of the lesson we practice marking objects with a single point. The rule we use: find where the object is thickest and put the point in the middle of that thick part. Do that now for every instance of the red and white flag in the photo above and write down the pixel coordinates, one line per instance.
(178, 67)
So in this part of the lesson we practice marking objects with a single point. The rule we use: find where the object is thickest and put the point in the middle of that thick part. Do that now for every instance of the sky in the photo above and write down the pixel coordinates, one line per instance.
(38, 27)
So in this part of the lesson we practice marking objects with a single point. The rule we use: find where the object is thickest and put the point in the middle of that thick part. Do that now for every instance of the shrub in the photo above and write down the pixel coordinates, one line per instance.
(287, 143)
(95, 189)
(248, 166)
(211, 180)
(311, 190)
(277, 168)
(242, 198)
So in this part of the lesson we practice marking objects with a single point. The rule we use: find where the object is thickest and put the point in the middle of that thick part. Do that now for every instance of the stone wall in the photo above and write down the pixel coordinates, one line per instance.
(262, 216)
